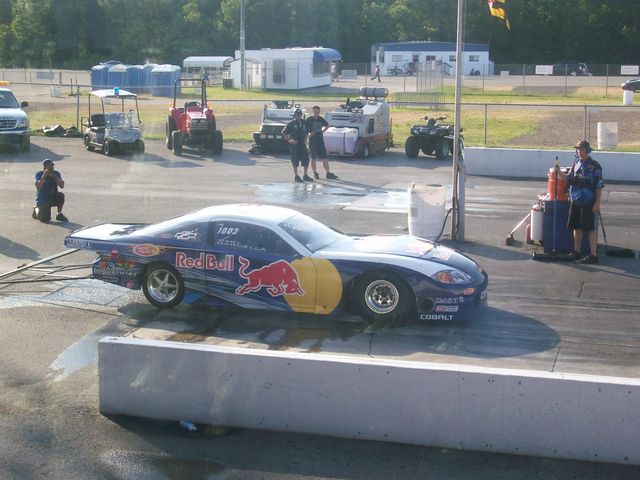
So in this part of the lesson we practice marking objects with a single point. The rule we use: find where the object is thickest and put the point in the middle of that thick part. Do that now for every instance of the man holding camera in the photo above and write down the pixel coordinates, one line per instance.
(48, 181)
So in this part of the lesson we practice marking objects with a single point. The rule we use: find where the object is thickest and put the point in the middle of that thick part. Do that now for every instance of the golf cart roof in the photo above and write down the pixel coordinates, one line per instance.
(113, 93)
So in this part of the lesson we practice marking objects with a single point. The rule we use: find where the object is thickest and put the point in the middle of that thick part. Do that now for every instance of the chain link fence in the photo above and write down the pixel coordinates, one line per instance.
(522, 125)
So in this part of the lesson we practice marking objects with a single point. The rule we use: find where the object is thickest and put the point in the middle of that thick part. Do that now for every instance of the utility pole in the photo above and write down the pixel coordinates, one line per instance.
(459, 174)
(242, 62)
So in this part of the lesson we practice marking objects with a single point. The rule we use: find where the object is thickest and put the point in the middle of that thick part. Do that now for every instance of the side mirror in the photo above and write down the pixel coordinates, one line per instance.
(24, 104)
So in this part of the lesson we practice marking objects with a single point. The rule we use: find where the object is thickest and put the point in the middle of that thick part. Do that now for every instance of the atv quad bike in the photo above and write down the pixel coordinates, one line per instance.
(192, 125)
(432, 137)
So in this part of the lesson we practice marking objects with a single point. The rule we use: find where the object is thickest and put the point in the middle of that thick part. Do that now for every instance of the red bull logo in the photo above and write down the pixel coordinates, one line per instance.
(206, 261)
(279, 278)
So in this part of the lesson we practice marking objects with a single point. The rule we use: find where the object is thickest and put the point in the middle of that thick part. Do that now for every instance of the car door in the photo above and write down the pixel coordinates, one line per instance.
(259, 269)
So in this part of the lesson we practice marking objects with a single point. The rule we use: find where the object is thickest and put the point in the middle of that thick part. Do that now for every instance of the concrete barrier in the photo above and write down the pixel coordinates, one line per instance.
(520, 163)
(511, 411)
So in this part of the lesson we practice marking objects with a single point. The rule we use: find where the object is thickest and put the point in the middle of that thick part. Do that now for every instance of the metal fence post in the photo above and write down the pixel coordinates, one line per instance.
(485, 124)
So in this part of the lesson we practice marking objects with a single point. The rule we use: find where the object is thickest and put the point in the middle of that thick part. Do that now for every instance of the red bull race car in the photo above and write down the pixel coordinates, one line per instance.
(274, 258)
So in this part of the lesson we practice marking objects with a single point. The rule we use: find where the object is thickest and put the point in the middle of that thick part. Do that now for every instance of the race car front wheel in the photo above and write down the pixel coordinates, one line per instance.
(163, 286)
(384, 297)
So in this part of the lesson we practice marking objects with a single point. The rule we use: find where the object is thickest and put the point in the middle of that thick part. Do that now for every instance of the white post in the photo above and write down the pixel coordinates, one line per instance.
(243, 67)
(458, 197)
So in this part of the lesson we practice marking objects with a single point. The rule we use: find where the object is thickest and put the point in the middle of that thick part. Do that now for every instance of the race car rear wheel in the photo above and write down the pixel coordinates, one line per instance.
(411, 147)
(163, 286)
(384, 297)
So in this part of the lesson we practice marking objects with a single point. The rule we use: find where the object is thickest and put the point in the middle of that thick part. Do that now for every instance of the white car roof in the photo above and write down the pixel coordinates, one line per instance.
(110, 93)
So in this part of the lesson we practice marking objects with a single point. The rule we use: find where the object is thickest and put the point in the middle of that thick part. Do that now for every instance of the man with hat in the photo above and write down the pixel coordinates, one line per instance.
(48, 181)
(585, 191)
(295, 134)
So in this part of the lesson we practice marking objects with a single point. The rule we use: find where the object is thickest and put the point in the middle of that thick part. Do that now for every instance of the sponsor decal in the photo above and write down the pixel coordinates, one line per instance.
(114, 253)
(79, 243)
(205, 261)
(279, 278)
(446, 308)
(146, 250)
(187, 235)
(442, 253)
(435, 316)
(448, 300)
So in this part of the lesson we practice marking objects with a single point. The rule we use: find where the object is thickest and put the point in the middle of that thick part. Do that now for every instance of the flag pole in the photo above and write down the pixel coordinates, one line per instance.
(459, 177)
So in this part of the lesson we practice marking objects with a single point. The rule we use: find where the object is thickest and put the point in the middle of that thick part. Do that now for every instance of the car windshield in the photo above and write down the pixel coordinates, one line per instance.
(309, 232)
(8, 100)
(121, 119)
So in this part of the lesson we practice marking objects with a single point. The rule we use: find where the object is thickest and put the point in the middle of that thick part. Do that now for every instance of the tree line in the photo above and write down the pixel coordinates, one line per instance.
(77, 34)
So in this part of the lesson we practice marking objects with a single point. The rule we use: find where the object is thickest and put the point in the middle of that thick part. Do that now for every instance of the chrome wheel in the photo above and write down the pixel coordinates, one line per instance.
(381, 296)
(163, 286)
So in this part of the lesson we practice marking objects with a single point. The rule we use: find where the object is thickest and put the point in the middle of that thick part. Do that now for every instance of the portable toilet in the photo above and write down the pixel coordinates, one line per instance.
(117, 76)
(162, 80)
(134, 78)
(146, 76)
(99, 74)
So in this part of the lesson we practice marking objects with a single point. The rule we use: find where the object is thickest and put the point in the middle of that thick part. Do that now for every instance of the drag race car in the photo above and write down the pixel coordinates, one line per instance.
(274, 258)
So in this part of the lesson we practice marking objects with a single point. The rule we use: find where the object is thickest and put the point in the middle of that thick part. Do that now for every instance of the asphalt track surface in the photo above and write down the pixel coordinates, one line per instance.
(552, 316)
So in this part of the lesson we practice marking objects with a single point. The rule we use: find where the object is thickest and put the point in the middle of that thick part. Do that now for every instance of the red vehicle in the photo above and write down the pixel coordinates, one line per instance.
(193, 124)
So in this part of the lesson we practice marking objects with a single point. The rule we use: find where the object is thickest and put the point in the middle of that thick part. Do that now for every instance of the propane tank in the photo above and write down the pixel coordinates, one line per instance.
(556, 181)
(537, 220)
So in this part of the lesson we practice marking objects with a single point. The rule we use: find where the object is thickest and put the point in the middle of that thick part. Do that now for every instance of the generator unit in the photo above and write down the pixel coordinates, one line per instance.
(360, 127)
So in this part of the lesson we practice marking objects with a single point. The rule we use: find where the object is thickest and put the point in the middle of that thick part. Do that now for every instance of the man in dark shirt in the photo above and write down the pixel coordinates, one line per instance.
(295, 134)
(317, 126)
(48, 181)
(585, 191)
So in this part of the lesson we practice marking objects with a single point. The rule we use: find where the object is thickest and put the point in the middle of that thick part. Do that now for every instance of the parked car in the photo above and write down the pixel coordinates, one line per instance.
(14, 122)
(632, 84)
(571, 67)
(274, 258)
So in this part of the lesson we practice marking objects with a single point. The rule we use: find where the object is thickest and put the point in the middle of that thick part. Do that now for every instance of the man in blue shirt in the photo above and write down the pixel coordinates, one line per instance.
(295, 134)
(48, 181)
(585, 191)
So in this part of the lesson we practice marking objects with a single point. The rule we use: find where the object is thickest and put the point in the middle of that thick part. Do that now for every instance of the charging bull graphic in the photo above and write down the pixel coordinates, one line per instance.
(278, 278)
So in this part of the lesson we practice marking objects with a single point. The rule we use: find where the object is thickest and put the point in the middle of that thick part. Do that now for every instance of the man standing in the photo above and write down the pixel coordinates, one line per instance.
(47, 195)
(317, 126)
(295, 134)
(585, 191)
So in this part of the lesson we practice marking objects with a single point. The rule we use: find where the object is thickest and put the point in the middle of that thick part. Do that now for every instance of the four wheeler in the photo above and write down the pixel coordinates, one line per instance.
(433, 137)
(192, 125)
(113, 132)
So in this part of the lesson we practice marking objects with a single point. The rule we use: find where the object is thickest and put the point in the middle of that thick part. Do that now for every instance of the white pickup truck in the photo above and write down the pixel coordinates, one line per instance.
(14, 123)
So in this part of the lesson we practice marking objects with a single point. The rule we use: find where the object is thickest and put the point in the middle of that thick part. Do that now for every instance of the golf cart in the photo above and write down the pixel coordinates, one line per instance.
(192, 125)
(116, 131)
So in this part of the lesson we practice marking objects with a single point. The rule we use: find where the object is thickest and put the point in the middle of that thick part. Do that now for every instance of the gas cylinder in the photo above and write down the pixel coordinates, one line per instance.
(556, 181)
(537, 220)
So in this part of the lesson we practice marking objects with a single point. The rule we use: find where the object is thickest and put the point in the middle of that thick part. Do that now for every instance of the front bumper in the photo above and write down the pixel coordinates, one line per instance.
(14, 137)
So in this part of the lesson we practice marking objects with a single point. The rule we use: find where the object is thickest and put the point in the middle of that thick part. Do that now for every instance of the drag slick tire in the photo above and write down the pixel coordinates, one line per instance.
(163, 286)
(383, 297)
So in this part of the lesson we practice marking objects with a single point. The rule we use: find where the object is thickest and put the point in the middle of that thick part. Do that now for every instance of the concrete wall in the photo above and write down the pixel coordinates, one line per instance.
(511, 411)
(508, 162)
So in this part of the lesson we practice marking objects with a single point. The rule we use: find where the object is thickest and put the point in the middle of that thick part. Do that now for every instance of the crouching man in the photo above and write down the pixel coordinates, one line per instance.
(48, 181)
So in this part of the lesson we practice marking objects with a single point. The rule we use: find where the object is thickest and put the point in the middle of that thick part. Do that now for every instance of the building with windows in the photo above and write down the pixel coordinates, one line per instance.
(285, 68)
(403, 57)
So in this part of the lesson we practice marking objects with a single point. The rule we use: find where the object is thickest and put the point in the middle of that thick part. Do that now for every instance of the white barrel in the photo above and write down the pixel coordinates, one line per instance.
(426, 210)
(537, 220)
(607, 135)
(627, 97)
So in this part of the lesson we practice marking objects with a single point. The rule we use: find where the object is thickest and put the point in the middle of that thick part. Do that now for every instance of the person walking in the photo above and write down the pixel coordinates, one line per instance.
(48, 180)
(585, 182)
(376, 73)
(295, 134)
(317, 125)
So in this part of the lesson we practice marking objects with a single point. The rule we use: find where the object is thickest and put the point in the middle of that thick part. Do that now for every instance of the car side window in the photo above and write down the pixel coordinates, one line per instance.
(248, 237)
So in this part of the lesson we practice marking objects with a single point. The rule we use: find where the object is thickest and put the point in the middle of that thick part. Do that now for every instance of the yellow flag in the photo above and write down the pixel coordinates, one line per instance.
(497, 9)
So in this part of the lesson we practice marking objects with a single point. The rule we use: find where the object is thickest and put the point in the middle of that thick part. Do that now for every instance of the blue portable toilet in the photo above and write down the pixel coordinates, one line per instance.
(117, 76)
(162, 80)
(99, 75)
(146, 76)
(134, 78)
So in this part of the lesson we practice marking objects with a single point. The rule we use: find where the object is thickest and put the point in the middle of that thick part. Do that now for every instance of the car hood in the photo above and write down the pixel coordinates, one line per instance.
(402, 245)
(12, 114)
